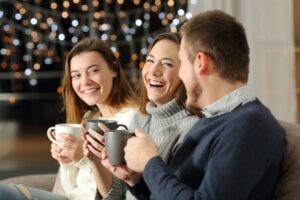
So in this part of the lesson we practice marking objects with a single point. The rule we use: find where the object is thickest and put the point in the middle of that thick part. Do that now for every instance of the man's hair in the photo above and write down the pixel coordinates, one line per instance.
(221, 37)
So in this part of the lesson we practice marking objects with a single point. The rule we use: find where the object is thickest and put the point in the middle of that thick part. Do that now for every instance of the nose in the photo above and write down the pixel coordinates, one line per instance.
(156, 69)
(85, 79)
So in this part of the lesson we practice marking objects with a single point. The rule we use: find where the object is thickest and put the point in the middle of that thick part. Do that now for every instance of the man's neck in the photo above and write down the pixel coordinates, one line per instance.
(216, 90)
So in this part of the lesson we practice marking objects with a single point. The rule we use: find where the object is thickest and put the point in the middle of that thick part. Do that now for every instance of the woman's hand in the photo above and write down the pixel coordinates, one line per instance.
(70, 147)
(94, 144)
(55, 153)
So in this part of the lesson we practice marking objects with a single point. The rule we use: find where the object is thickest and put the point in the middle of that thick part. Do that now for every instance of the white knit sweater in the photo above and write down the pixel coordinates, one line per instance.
(77, 179)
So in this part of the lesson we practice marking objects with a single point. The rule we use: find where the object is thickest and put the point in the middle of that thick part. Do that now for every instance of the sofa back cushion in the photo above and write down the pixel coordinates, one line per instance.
(288, 187)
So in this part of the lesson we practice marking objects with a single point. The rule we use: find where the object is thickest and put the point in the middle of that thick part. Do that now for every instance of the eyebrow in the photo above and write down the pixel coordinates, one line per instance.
(169, 59)
(90, 66)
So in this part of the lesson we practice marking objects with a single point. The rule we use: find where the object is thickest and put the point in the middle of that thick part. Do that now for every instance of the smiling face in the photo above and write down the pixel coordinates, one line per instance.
(160, 72)
(92, 79)
(187, 74)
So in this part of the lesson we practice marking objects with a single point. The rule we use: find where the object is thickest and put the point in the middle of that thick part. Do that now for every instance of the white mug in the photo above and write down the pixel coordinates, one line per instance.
(72, 129)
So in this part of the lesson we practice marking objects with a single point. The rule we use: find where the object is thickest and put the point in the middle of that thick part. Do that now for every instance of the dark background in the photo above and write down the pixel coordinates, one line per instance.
(32, 57)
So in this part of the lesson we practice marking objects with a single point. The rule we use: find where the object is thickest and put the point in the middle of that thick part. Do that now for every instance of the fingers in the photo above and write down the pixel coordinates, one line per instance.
(103, 127)
(97, 145)
(96, 135)
(139, 133)
(96, 152)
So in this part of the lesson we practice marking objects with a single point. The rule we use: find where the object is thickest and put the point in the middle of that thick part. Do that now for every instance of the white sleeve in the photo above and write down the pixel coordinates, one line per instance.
(68, 176)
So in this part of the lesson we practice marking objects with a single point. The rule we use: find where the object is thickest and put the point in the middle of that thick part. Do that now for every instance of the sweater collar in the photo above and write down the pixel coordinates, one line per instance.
(228, 103)
(167, 113)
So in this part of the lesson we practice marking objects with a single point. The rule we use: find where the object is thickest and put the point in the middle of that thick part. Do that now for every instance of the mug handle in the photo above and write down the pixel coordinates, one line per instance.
(50, 136)
(122, 125)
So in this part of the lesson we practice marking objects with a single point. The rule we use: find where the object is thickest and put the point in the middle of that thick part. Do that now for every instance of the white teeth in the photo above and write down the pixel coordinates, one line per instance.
(156, 83)
(89, 91)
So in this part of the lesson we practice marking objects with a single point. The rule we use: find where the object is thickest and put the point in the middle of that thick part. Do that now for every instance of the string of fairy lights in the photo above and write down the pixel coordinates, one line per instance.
(36, 35)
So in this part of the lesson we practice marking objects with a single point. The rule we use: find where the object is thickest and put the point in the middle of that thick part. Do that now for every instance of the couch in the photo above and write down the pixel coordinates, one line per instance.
(288, 187)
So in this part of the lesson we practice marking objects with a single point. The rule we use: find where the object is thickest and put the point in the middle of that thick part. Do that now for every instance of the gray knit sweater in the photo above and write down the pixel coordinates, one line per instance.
(167, 126)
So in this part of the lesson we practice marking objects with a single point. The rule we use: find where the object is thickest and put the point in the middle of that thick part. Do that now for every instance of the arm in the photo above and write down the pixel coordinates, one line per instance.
(108, 186)
(237, 161)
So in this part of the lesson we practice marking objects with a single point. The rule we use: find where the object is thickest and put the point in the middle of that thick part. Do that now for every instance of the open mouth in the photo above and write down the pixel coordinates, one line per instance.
(156, 84)
(89, 91)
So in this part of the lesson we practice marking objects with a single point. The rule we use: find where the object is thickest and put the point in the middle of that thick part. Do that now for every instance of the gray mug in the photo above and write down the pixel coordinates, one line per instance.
(115, 141)
(110, 124)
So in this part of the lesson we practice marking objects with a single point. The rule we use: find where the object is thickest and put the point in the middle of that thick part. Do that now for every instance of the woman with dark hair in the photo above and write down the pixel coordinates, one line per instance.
(163, 99)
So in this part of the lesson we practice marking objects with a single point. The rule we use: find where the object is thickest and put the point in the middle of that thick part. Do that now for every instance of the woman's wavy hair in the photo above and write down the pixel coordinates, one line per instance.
(121, 94)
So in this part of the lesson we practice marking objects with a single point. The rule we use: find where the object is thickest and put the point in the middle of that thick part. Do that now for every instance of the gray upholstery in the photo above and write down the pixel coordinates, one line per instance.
(288, 187)
(42, 181)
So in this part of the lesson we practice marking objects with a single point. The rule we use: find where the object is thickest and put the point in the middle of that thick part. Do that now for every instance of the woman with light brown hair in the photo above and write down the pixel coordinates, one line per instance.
(94, 87)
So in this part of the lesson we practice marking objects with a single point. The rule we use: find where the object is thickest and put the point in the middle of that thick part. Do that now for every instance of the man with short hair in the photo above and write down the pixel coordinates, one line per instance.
(235, 151)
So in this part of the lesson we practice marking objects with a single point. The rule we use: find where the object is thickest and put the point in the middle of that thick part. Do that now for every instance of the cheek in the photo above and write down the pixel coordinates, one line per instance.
(74, 85)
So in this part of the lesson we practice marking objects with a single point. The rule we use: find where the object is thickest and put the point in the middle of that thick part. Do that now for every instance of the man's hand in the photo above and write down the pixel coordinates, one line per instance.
(121, 171)
(139, 150)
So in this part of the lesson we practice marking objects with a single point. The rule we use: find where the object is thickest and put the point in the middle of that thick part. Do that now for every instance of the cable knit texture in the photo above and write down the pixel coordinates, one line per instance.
(167, 126)
(77, 179)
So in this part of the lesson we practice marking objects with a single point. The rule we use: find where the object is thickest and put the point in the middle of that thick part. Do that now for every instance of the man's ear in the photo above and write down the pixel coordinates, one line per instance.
(201, 63)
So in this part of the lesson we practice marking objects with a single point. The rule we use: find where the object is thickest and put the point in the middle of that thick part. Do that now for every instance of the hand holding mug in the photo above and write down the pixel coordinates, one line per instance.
(139, 150)
(120, 171)
(68, 141)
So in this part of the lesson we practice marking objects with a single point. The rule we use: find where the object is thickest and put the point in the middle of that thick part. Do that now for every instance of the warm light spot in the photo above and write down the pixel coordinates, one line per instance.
(136, 2)
(95, 3)
(95, 24)
(12, 99)
(4, 65)
(38, 16)
(18, 6)
(97, 15)
(75, 1)
(122, 14)
(53, 5)
(120, 2)
(173, 29)
(49, 53)
(154, 8)
(134, 56)
(50, 20)
(25, 22)
(15, 66)
(66, 4)
(170, 3)
(43, 26)
(8, 52)
(59, 90)
(141, 65)
(37, 66)
(146, 5)
(64, 14)
(170, 16)
(18, 74)
(164, 22)
(157, 2)
(113, 37)
(84, 7)
(22, 11)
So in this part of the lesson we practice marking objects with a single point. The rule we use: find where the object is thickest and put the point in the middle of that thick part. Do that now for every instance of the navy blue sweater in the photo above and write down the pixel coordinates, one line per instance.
(234, 156)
